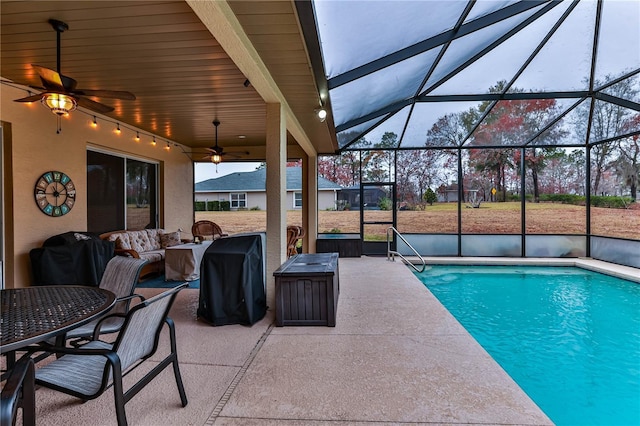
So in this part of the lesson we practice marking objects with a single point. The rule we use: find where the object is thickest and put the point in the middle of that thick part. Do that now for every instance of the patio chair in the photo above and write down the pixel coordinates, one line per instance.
(120, 277)
(19, 392)
(206, 228)
(294, 233)
(88, 371)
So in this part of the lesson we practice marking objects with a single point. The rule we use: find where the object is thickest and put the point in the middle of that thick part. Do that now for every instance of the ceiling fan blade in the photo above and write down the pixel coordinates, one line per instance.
(113, 94)
(32, 98)
(54, 80)
(93, 105)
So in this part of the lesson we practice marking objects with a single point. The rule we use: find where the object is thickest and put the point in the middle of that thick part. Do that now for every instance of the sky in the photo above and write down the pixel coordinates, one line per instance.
(204, 171)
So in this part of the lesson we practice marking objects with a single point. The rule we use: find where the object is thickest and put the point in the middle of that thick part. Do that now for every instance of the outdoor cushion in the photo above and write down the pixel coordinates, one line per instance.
(170, 239)
(154, 238)
(152, 255)
(120, 244)
(124, 243)
(139, 241)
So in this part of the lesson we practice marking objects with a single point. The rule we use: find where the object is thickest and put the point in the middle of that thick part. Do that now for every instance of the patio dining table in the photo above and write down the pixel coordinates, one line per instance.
(34, 314)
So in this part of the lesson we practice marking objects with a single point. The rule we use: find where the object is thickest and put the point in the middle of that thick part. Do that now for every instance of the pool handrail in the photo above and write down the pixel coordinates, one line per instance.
(392, 253)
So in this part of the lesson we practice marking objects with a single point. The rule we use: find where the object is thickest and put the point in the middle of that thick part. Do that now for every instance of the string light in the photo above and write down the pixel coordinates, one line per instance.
(118, 129)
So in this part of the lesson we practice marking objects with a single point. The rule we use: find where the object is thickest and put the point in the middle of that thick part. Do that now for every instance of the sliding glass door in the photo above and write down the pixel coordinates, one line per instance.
(121, 193)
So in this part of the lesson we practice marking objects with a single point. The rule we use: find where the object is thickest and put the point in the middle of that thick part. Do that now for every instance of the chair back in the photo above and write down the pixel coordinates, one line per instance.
(19, 392)
(138, 338)
(294, 233)
(206, 228)
(120, 277)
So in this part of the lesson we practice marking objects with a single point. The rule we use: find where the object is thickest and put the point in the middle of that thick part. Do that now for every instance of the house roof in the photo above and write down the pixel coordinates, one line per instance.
(255, 181)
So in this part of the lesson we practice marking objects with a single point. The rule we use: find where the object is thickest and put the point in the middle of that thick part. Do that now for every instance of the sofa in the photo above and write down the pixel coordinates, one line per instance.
(146, 244)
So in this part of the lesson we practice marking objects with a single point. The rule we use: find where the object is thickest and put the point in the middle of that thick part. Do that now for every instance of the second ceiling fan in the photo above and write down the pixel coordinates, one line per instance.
(216, 152)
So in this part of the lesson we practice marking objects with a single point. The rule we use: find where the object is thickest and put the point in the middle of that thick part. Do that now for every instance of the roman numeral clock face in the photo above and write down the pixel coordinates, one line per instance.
(55, 194)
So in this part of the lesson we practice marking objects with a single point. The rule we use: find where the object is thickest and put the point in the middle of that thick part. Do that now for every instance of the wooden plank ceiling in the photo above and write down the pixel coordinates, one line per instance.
(164, 54)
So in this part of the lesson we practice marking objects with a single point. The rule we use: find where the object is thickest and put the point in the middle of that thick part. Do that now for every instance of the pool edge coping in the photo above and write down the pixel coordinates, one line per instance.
(620, 271)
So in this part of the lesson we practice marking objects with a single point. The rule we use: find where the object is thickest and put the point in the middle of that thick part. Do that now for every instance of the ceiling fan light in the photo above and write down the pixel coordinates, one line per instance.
(216, 158)
(59, 104)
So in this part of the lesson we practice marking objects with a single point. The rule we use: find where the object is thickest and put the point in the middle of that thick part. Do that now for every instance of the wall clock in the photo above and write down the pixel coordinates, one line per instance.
(55, 193)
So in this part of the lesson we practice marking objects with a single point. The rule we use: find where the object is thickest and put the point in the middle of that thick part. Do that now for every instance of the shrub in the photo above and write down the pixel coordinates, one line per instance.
(384, 203)
(225, 206)
(430, 196)
(214, 206)
(610, 202)
(199, 206)
(578, 200)
(255, 208)
(335, 231)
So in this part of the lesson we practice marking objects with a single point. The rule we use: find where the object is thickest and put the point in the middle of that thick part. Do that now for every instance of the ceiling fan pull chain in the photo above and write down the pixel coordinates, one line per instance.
(59, 125)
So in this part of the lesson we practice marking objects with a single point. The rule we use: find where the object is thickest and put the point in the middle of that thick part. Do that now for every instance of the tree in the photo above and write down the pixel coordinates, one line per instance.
(430, 196)
(377, 164)
(609, 121)
(628, 163)
(343, 169)
(499, 128)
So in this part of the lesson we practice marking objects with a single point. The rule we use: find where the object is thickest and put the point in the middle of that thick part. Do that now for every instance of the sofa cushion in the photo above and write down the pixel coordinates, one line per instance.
(139, 241)
(122, 240)
(153, 255)
(120, 244)
(170, 239)
(154, 238)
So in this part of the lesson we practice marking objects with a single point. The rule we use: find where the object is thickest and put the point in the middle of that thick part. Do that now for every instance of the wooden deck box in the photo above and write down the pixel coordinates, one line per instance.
(307, 290)
(346, 245)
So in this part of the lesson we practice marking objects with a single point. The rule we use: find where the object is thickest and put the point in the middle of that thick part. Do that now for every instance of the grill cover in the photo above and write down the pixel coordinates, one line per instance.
(232, 281)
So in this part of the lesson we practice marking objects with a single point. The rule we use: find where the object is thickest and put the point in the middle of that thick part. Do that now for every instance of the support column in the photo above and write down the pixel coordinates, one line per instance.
(310, 202)
(276, 156)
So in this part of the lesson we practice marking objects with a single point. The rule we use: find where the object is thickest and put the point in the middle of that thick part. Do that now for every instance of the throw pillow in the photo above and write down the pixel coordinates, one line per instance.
(170, 239)
(120, 244)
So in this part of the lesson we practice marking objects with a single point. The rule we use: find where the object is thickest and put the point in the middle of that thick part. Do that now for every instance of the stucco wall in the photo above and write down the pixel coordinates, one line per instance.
(36, 148)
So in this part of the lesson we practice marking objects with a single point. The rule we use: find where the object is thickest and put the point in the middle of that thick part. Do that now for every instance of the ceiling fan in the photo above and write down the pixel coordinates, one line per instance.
(59, 92)
(216, 152)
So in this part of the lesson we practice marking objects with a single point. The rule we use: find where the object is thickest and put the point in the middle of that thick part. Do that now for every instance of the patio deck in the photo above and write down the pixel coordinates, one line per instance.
(395, 356)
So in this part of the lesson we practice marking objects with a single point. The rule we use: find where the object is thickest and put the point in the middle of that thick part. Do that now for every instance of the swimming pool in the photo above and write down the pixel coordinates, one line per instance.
(569, 337)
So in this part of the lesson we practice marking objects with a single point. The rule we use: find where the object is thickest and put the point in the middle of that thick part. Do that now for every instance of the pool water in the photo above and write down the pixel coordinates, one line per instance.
(569, 337)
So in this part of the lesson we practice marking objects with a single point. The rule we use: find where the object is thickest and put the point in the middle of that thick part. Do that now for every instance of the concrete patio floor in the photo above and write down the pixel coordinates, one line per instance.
(395, 356)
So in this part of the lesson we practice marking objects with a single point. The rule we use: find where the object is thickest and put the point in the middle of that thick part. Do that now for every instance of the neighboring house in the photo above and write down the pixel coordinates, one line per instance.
(449, 194)
(247, 190)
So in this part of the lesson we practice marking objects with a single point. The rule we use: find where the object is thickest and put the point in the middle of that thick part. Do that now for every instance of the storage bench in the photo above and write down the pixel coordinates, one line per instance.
(346, 245)
(307, 289)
